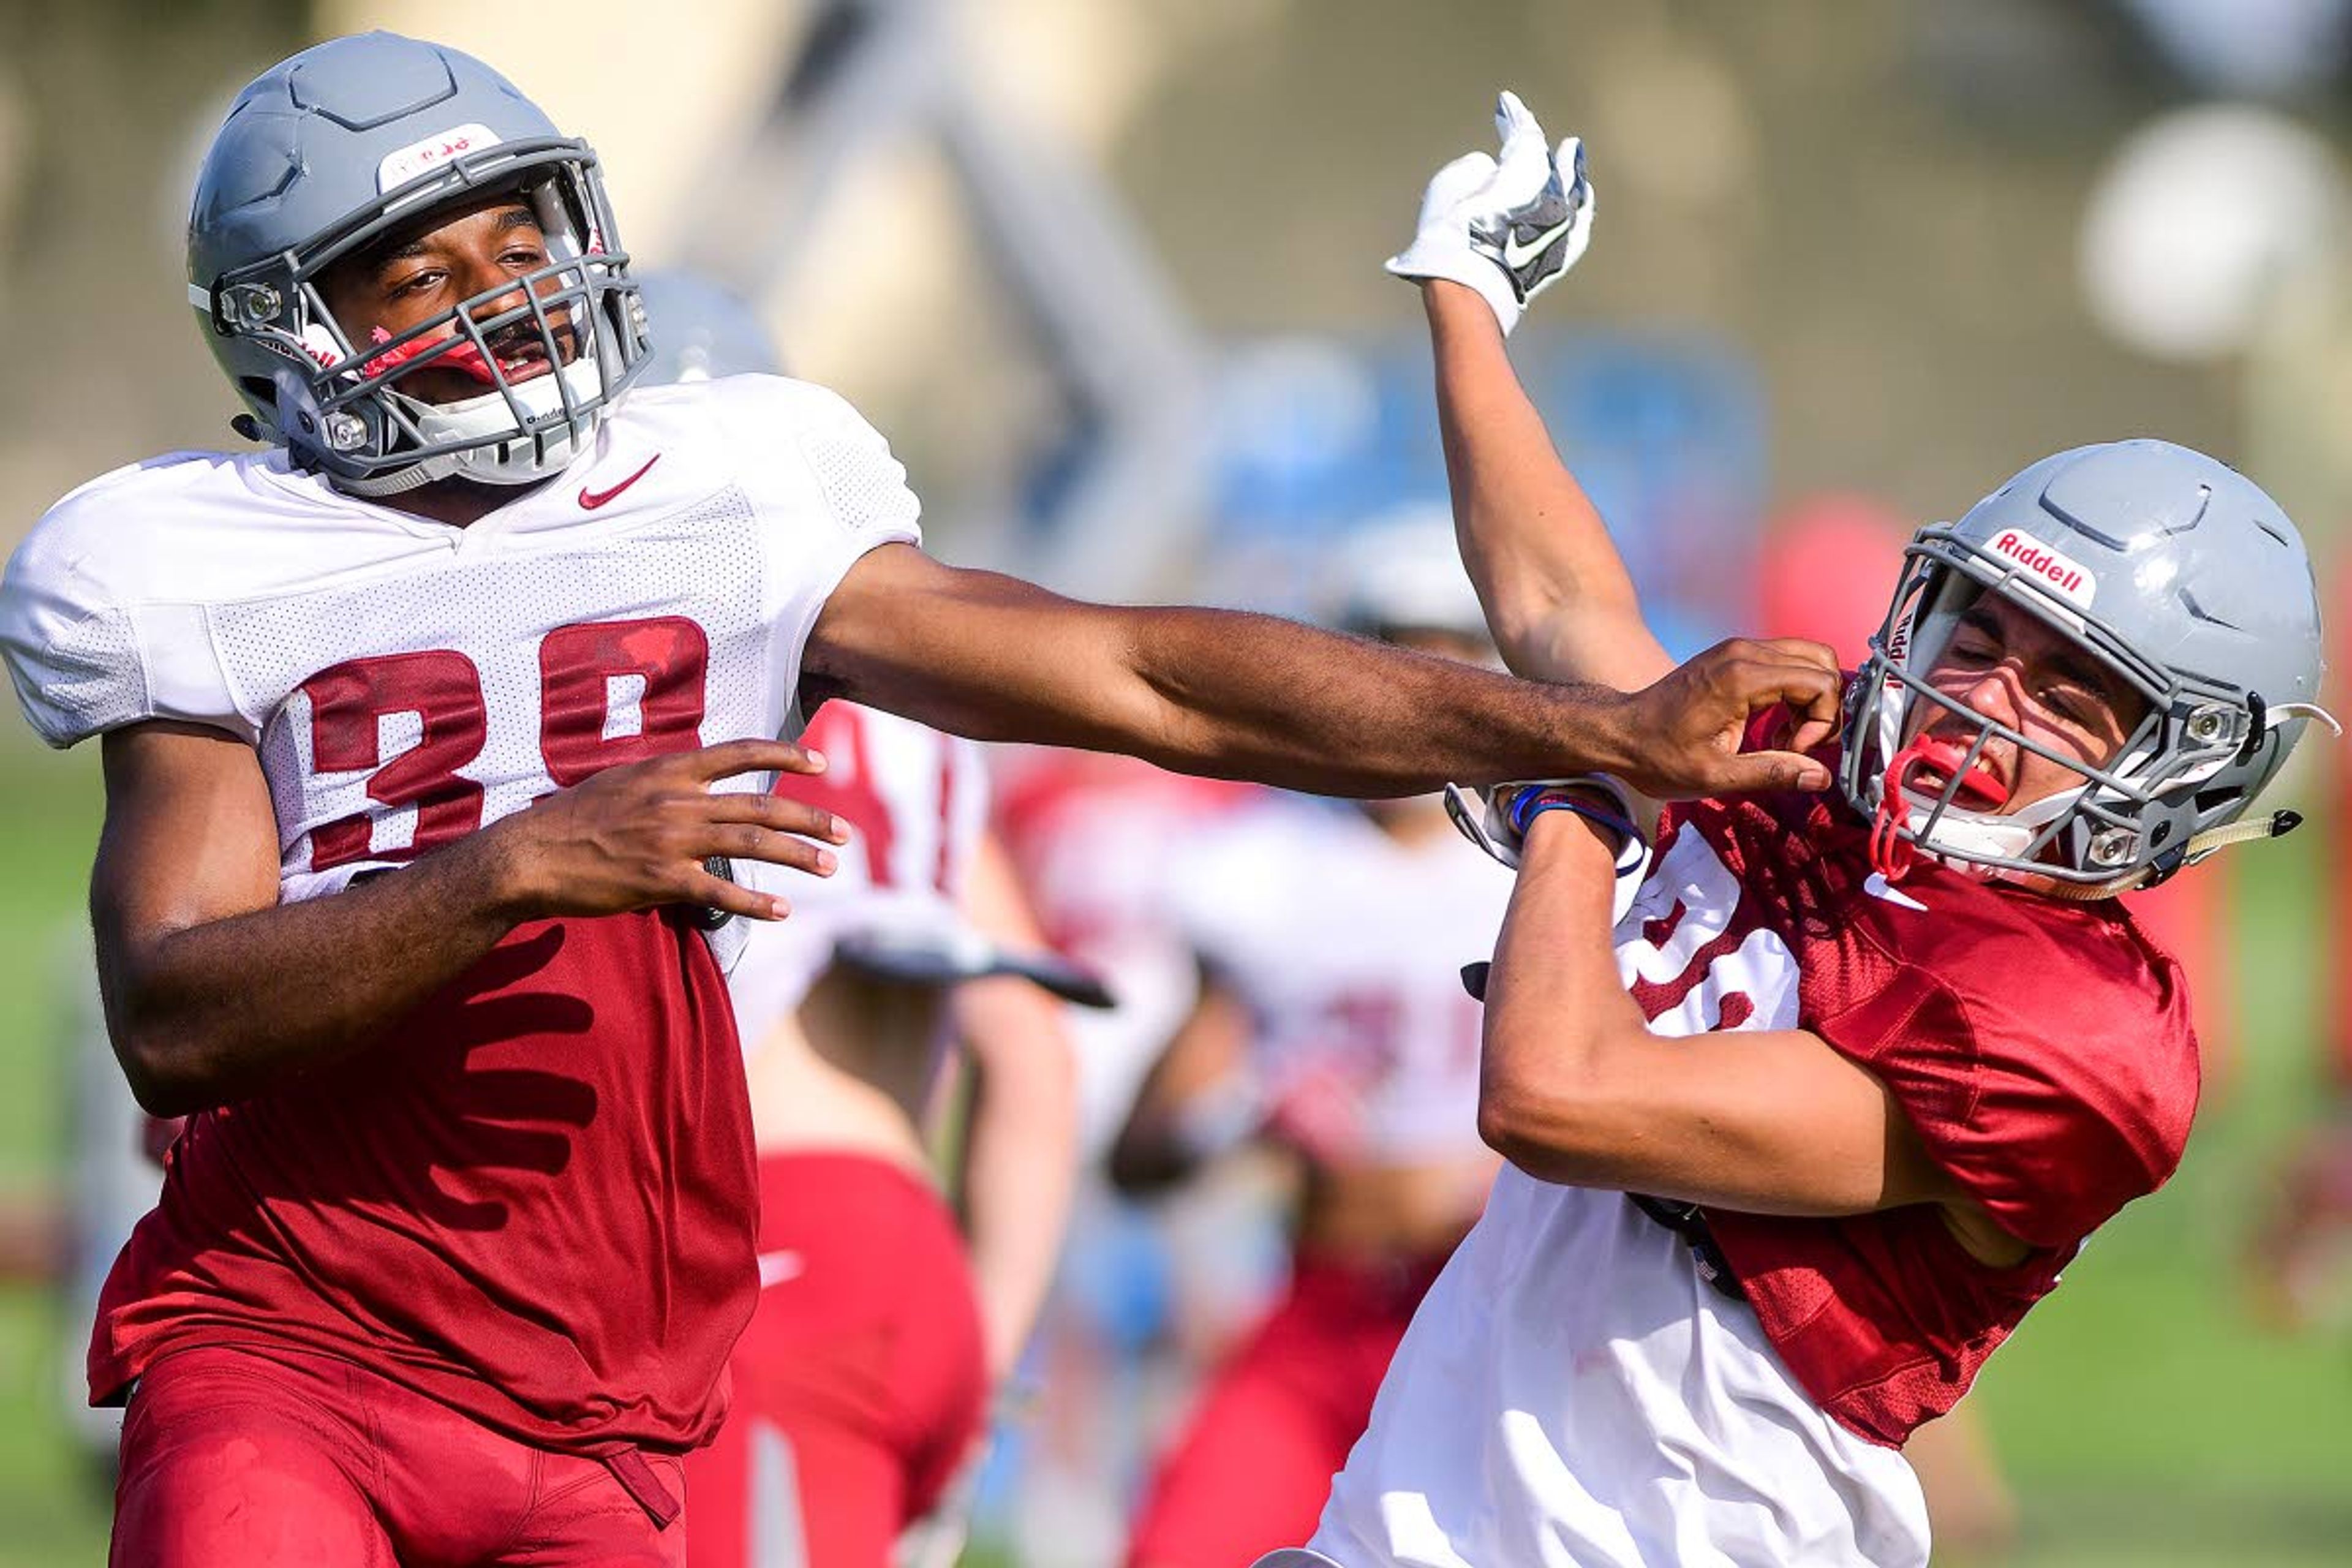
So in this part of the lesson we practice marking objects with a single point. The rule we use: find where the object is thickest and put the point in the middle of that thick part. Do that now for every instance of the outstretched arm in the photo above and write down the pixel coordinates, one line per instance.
(1556, 595)
(1494, 232)
(1231, 695)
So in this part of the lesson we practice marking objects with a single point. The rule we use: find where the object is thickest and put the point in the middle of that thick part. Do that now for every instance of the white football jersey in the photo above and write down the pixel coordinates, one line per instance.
(405, 682)
(1347, 946)
(916, 800)
(1573, 1392)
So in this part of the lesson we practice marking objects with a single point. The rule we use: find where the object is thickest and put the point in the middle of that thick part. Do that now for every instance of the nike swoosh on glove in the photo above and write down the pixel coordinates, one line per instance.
(1508, 227)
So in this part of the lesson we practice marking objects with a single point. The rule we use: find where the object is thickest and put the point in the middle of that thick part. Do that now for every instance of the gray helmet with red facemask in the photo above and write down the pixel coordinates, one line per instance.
(325, 154)
(2180, 578)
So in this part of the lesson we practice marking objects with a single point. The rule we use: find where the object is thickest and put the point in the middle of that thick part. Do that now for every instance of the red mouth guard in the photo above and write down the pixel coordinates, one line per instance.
(465, 357)
(1979, 789)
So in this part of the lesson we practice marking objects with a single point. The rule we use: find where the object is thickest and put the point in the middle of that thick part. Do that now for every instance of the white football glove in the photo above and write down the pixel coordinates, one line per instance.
(1508, 227)
(1484, 818)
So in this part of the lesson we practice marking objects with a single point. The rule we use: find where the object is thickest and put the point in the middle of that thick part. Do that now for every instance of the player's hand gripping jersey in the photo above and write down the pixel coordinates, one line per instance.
(1576, 1390)
(1346, 945)
(445, 1207)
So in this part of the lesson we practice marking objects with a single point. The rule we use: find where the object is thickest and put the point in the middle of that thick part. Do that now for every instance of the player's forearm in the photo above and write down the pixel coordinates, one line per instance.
(1537, 550)
(1556, 1010)
(1251, 696)
(1576, 1087)
(1020, 1159)
(218, 1011)
(1215, 692)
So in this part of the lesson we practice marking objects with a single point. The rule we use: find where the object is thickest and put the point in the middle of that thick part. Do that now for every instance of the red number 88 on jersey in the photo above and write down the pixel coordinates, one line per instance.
(608, 692)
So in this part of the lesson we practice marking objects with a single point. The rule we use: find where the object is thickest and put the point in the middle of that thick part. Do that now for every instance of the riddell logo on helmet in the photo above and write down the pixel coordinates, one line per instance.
(399, 168)
(2063, 575)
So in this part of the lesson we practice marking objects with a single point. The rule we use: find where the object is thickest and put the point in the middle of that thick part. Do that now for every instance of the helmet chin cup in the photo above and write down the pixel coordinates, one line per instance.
(550, 436)
(1911, 824)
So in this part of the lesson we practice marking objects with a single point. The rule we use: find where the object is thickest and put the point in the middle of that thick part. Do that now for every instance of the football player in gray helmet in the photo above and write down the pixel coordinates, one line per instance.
(2177, 602)
(1806, 1102)
(423, 730)
(322, 261)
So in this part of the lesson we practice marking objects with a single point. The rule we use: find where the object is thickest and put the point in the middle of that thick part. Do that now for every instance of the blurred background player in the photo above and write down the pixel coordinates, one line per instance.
(1332, 1024)
(884, 1320)
(885, 1317)
(1147, 1295)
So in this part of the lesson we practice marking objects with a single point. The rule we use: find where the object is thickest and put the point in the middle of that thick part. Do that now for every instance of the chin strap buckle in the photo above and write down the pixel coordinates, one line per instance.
(2168, 863)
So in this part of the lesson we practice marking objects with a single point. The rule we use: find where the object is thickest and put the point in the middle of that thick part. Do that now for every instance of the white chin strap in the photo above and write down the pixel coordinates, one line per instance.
(521, 462)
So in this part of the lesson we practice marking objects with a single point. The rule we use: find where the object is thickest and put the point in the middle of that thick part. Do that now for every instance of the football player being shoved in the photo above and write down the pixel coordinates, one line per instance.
(883, 1324)
(423, 727)
(1806, 1099)
(1332, 1026)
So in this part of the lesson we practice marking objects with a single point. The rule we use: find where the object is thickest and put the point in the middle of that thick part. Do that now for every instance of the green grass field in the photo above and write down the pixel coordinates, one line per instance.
(2144, 1418)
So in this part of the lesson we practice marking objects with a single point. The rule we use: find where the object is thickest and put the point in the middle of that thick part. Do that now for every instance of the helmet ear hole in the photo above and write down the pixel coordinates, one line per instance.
(2212, 800)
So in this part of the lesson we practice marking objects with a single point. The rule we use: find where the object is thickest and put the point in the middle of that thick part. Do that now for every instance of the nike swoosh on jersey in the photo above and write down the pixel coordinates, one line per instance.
(590, 499)
(775, 1268)
(1878, 887)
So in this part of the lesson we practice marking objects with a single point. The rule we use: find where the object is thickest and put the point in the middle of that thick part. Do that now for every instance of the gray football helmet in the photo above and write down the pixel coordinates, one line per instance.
(323, 156)
(2169, 568)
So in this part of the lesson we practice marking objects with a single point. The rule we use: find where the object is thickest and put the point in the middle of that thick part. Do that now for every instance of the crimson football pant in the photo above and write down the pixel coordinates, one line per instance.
(859, 1386)
(1254, 1467)
(237, 1456)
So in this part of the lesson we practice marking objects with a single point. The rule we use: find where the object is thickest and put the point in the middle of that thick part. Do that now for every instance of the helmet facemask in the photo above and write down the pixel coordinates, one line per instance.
(2131, 818)
(340, 405)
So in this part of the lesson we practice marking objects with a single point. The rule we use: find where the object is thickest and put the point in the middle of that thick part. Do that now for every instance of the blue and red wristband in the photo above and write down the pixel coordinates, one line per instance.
(1633, 849)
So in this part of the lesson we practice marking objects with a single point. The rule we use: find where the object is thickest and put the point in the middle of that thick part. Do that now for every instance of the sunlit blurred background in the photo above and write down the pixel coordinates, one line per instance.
(1106, 273)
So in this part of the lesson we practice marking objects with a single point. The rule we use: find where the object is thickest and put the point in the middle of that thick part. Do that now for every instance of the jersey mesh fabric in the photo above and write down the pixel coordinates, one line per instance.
(841, 453)
(95, 670)
(708, 558)
(2042, 1050)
